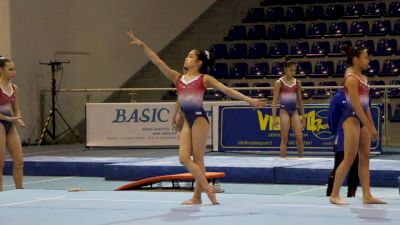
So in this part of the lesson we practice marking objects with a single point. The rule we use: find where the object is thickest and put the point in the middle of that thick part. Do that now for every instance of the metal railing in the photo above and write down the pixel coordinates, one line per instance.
(88, 92)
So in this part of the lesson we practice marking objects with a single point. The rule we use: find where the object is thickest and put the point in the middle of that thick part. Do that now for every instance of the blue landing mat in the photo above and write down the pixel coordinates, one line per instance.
(241, 169)
(237, 169)
(67, 166)
(384, 173)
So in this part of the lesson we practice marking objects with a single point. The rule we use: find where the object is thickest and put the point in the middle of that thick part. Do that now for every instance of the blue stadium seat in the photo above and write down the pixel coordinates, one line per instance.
(261, 93)
(319, 48)
(256, 32)
(386, 47)
(254, 15)
(220, 51)
(303, 69)
(219, 70)
(308, 93)
(396, 27)
(322, 69)
(294, 13)
(337, 29)
(337, 48)
(171, 95)
(373, 68)
(396, 114)
(394, 9)
(390, 112)
(376, 92)
(316, 30)
(258, 70)
(276, 31)
(334, 12)
(381, 28)
(367, 44)
(354, 10)
(341, 67)
(296, 31)
(314, 12)
(237, 51)
(326, 92)
(299, 49)
(238, 70)
(279, 49)
(242, 85)
(274, 14)
(212, 94)
(257, 51)
(358, 29)
(394, 92)
(332, 91)
(236, 32)
(276, 69)
(375, 10)
(391, 67)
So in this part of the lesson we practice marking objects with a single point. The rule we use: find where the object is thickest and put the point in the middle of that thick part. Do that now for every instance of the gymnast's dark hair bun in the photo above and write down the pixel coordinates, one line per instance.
(287, 62)
(207, 58)
(352, 52)
(3, 61)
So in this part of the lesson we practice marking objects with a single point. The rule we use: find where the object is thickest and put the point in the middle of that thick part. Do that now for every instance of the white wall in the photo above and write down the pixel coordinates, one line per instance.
(5, 36)
(41, 28)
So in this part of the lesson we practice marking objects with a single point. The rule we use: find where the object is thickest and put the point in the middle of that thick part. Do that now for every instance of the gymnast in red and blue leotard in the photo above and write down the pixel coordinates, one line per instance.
(191, 87)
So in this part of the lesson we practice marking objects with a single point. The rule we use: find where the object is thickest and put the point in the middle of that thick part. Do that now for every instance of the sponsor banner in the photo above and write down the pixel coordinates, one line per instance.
(136, 124)
(243, 129)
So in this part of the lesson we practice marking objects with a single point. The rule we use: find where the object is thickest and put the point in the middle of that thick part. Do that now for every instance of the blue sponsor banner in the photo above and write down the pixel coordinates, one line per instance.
(243, 129)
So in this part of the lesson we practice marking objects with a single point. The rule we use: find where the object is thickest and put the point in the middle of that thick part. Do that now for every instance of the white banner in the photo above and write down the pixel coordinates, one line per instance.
(132, 124)
(140, 124)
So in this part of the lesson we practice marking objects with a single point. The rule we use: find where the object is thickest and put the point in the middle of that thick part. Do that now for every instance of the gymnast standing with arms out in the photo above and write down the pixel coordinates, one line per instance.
(191, 87)
(358, 127)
